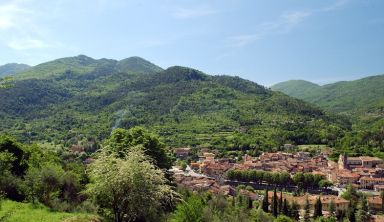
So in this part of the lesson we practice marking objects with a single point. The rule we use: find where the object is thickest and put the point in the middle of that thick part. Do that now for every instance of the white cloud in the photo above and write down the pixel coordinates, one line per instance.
(190, 13)
(285, 23)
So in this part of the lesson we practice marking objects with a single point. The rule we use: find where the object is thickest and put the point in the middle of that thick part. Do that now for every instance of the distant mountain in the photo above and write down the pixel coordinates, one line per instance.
(363, 97)
(87, 66)
(296, 88)
(73, 98)
(12, 68)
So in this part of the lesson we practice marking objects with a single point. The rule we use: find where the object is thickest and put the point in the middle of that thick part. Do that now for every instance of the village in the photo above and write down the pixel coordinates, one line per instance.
(363, 173)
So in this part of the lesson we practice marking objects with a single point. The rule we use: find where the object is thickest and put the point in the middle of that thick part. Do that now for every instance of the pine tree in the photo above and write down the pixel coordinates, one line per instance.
(265, 203)
(318, 212)
(274, 203)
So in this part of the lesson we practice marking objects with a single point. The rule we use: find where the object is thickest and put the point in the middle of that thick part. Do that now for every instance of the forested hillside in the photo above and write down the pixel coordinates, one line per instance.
(361, 100)
(78, 98)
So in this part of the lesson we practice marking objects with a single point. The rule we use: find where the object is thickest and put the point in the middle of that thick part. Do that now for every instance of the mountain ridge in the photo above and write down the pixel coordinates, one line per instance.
(80, 97)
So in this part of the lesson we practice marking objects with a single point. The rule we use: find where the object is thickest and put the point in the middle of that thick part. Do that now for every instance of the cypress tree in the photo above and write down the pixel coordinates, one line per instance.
(285, 209)
(382, 201)
(295, 211)
(274, 204)
(280, 204)
(318, 212)
(331, 208)
(307, 208)
(265, 203)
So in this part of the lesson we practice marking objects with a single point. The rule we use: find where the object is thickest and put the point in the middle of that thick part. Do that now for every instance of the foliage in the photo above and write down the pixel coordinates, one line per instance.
(121, 141)
(283, 218)
(26, 212)
(302, 180)
(361, 101)
(318, 209)
(129, 188)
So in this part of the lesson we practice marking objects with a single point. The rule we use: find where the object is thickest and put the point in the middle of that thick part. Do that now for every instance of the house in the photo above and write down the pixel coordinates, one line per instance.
(182, 153)
(346, 162)
(345, 177)
(378, 188)
(375, 203)
(369, 182)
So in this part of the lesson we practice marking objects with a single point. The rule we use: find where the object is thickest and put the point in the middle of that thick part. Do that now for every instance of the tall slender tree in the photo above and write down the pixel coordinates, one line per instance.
(285, 209)
(382, 201)
(275, 204)
(280, 204)
(295, 211)
(318, 212)
(331, 208)
(265, 203)
(307, 208)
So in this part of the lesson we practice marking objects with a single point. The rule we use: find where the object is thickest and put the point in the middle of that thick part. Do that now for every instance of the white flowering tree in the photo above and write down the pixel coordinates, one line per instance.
(130, 188)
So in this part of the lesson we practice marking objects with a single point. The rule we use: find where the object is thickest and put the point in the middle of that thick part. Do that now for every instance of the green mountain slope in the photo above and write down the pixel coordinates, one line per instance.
(362, 100)
(75, 98)
(363, 97)
(297, 88)
(88, 67)
(12, 68)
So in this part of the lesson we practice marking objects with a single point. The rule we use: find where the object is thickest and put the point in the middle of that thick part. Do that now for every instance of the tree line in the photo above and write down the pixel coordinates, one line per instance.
(301, 180)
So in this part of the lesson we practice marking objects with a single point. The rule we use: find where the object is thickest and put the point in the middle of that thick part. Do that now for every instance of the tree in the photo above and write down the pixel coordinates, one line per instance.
(332, 208)
(129, 185)
(285, 209)
(6, 82)
(362, 210)
(122, 140)
(189, 211)
(261, 216)
(295, 211)
(351, 212)
(283, 218)
(318, 212)
(280, 204)
(275, 211)
(265, 203)
(382, 201)
(307, 208)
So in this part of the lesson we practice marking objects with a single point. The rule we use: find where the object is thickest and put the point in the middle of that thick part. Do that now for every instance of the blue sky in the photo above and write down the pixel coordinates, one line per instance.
(265, 41)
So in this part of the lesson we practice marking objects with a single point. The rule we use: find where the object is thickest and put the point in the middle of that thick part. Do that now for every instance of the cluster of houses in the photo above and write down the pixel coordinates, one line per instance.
(362, 172)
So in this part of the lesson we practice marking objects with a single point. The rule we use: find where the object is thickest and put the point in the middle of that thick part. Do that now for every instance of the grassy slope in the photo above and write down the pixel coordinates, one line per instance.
(12, 211)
